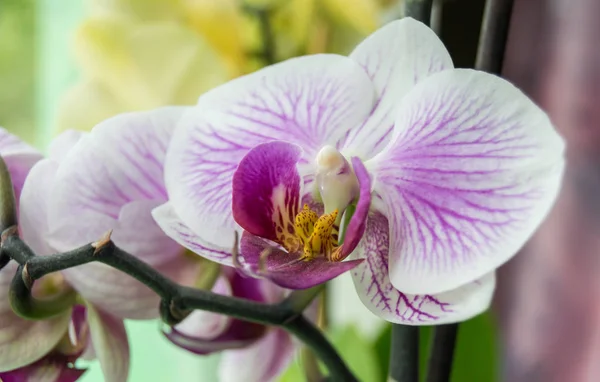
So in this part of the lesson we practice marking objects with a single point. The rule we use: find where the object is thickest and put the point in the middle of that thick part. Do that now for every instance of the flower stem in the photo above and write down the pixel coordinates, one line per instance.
(267, 53)
(439, 365)
(493, 36)
(419, 10)
(177, 298)
(404, 355)
(28, 307)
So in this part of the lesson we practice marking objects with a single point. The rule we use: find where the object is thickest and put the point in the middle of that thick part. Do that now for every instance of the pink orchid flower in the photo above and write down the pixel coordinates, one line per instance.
(46, 350)
(451, 171)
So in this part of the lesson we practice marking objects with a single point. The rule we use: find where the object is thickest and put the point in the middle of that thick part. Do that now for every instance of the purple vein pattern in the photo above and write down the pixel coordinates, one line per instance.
(113, 179)
(387, 60)
(470, 181)
(379, 295)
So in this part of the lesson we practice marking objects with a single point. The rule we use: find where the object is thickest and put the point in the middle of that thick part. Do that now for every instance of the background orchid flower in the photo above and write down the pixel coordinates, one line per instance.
(111, 179)
(203, 43)
(257, 352)
(46, 350)
(464, 167)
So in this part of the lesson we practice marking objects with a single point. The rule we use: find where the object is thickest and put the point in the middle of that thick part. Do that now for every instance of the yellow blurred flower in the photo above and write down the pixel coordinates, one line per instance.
(140, 54)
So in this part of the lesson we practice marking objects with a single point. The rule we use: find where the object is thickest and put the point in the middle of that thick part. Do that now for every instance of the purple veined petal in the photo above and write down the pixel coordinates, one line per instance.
(33, 206)
(472, 170)
(266, 190)
(286, 269)
(19, 158)
(169, 222)
(117, 293)
(61, 145)
(111, 346)
(33, 203)
(309, 101)
(396, 57)
(261, 362)
(205, 332)
(119, 162)
(377, 293)
(23, 342)
(357, 225)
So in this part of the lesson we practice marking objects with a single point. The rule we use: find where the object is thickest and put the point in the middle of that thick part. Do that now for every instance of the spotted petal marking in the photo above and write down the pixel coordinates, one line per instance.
(472, 170)
(379, 295)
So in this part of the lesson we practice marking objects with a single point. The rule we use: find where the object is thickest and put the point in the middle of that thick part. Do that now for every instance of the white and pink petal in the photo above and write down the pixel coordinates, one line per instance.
(309, 101)
(396, 58)
(172, 226)
(19, 158)
(472, 169)
(23, 342)
(377, 293)
(109, 340)
(262, 362)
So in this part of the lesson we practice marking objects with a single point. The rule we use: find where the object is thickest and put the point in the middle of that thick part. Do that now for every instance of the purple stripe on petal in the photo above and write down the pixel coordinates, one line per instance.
(356, 227)
(287, 270)
(171, 224)
(379, 295)
(266, 190)
(396, 58)
(473, 169)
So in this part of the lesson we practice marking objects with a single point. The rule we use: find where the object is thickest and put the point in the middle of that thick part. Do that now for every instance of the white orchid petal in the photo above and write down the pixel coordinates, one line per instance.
(262, 362)
(396, 58)
(111, 346)
(472, 170)
(170, 223)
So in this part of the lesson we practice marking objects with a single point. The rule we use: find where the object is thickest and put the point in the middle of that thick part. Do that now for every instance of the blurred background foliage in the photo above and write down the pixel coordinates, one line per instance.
(70, 64)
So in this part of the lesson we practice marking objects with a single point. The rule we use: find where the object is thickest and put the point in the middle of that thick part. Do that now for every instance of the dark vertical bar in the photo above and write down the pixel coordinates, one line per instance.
(404, 355)
(418, 10)
(439, 365)
(494, 32)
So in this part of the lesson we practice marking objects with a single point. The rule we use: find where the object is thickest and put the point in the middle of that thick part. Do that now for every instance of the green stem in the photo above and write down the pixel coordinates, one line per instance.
(404, 355)
(177, 300)
(439, 366)
(28, 307)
